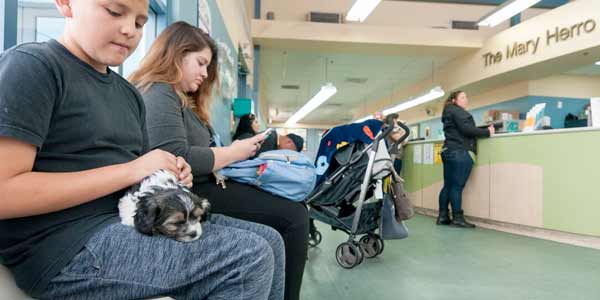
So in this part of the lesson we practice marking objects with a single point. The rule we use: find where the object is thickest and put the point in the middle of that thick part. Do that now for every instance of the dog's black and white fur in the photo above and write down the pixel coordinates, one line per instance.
(161, 205)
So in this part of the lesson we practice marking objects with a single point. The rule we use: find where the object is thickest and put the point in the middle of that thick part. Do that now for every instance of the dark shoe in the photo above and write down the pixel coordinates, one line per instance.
(458, 220)
(443, 218)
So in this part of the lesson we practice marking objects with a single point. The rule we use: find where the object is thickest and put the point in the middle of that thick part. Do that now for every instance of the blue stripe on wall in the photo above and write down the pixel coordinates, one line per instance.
(524, 104)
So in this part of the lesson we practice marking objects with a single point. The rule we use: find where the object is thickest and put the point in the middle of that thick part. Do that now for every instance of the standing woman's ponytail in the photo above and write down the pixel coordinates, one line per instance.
(451, 98)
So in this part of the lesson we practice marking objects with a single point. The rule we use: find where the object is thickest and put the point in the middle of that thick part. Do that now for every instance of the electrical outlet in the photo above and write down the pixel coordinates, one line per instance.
(559, 105)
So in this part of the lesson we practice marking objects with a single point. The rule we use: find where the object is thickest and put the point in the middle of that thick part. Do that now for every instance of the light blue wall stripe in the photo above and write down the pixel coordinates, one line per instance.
(524, 104)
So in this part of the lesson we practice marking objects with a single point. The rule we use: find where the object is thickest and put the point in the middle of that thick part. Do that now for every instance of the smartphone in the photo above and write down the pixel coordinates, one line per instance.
(267, 132)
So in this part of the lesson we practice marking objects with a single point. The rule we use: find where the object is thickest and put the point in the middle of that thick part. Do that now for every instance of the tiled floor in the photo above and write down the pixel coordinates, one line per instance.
(449, 263)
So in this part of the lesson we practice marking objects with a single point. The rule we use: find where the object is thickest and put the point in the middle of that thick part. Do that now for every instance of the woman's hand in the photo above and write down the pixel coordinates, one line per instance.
(243, 149)
(153, 161)
(492, 130)
(185, 172)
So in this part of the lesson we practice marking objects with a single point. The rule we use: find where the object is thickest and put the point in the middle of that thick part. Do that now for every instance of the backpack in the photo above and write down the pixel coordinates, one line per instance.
(285, 173)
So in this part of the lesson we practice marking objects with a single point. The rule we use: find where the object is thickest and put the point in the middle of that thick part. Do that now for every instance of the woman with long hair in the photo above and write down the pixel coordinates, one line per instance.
(247, 127)
(176, 79)
(457, 157)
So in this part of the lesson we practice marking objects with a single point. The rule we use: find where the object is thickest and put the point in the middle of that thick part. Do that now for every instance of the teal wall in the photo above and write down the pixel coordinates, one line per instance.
(570, 105)
(1, 25)
(222, 105)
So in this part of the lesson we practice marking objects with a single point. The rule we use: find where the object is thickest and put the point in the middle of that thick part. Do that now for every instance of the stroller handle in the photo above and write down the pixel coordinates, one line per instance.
(387, 129)
(406, 132)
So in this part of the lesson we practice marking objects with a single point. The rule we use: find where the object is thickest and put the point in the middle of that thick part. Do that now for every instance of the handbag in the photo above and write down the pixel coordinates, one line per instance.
(403, 207)
(389, 227)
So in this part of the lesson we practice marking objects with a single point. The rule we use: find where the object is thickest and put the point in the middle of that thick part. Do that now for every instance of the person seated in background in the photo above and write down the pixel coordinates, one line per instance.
(275, 141)
(396, 149)
(291, 142)
(247, 127)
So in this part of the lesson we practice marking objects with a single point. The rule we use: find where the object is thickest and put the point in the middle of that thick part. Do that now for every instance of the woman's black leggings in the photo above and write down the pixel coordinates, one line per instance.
(289, 218)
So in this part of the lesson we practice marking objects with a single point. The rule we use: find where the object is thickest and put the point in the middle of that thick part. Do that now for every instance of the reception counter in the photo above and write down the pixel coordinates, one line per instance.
(543, 179)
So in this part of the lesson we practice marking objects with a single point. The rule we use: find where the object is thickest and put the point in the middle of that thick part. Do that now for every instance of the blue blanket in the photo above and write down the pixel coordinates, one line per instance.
(340, 136)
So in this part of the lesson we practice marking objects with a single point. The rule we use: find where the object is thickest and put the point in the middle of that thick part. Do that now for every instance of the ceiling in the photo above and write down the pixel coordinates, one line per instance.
(358, 77)
(591, 70)
(361, 74)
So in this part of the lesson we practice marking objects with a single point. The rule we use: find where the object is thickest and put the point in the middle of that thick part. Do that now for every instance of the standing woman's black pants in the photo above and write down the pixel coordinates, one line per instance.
(289, 218)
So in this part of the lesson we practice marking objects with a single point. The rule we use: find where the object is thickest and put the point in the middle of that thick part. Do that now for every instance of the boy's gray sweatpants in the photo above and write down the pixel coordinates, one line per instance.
(233, 259)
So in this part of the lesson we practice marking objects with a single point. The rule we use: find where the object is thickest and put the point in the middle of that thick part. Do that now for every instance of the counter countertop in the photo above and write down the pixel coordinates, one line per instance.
(513, 134)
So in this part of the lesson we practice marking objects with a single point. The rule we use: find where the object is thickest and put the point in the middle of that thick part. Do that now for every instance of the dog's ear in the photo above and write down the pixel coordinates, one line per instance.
(203, 205)
(147, 212)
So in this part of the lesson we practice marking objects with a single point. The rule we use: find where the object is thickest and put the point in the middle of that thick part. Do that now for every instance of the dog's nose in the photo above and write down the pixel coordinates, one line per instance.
(193, 235)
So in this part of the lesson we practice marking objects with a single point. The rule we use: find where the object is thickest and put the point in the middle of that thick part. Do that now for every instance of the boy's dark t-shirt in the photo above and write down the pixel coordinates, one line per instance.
(78, 119)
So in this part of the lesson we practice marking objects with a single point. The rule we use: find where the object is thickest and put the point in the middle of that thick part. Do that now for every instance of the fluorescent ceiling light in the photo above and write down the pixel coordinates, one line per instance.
(433, 94)
(361, 10)
(506, 11)
(369, 117)
(324, 93)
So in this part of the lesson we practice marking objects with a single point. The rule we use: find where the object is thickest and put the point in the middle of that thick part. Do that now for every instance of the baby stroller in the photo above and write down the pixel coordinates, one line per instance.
(353, 175)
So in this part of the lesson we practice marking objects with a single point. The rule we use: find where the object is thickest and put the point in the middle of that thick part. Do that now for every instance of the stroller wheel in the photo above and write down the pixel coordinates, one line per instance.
(314, 239)
(371, 245)
(348, 255)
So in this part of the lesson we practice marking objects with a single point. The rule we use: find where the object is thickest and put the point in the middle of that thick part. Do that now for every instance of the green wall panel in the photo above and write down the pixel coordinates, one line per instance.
(570, 163)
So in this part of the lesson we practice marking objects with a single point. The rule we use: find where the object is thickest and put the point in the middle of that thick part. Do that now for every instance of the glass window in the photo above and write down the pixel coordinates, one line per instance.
(38, 20)
(48, 28)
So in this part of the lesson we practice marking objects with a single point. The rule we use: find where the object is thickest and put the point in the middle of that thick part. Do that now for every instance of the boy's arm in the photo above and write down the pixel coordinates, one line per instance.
(29, 92)
(25, 193)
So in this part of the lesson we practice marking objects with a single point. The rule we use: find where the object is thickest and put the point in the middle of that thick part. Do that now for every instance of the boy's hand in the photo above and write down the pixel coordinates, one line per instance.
(153, 161)
(185, 172)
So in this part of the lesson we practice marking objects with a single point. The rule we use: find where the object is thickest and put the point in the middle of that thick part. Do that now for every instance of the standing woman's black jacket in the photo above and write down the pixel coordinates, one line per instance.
(459, 128)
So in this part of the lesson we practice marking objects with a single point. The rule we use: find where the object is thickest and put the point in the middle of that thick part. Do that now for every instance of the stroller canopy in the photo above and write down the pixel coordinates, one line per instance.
(340, 136)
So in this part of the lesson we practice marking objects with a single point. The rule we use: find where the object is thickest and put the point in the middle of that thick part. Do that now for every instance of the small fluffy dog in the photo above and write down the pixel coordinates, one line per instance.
(161, 205)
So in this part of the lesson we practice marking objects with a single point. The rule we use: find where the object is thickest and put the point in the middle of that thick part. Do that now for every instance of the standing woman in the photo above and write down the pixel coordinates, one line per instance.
(457, 156)
(176, 79)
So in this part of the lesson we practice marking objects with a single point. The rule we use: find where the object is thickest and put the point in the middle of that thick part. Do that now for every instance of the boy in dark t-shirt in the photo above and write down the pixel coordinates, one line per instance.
(72, 138)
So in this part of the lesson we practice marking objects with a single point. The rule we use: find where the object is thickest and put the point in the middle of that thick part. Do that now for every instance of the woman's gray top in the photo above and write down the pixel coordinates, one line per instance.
(178, 130)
